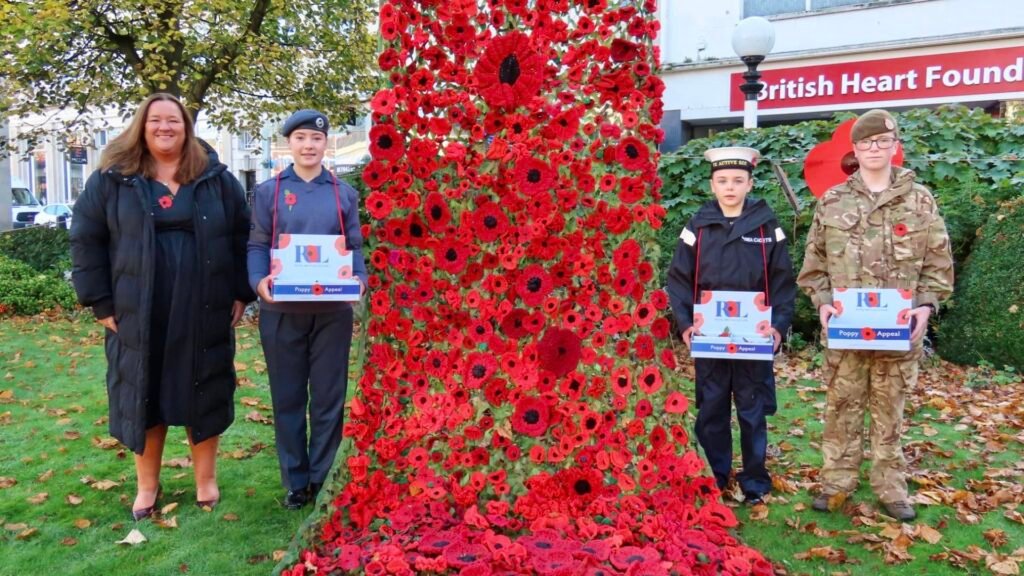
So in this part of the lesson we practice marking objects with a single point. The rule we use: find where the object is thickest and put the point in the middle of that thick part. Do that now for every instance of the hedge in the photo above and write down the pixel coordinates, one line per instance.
(986, 320)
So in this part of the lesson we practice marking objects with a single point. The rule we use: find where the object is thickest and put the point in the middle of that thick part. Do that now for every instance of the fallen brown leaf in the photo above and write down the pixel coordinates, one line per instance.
(995, 537)
(279, 555)
(827, 553)
(45, 476)
(170, 523)
(836, 501)
(255, 416)
(82, 523)
(15, 527)
(69, 541)
(105, 443)
(74, 499)
(7, 482)
(38, 498)
(927, 533)
(169, 508)
(134, 538)
(1005, 568)
(26, 534)
(231, 517)
(104, 485)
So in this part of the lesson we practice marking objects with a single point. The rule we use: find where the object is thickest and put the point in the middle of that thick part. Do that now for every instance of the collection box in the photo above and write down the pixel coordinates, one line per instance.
(871, 319)
(312, 267)
(732, 325)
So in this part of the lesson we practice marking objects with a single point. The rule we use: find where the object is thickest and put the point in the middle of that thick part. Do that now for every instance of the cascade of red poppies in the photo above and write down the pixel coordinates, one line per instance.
(517, 410)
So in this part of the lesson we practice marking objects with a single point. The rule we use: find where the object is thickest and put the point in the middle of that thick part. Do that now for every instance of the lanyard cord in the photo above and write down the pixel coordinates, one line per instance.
(277, 191)
(764, 258)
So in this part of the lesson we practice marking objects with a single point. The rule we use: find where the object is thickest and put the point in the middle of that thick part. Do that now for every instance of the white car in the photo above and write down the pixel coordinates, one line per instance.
(54, 215)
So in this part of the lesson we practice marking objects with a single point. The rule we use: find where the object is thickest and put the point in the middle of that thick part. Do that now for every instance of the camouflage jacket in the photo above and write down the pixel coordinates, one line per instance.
(890, 239)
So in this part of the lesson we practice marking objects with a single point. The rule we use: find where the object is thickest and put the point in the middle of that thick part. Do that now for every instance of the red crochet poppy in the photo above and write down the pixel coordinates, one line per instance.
(386, 143)
(900, 229)
(559, 351)
(530, 417)
(510, 72)
(534, 176)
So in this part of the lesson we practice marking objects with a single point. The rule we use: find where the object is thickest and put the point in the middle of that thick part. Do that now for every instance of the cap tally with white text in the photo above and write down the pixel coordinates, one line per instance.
(732, 157)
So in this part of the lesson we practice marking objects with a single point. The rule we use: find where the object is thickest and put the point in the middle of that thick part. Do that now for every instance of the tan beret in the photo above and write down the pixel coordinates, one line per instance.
(873, 122)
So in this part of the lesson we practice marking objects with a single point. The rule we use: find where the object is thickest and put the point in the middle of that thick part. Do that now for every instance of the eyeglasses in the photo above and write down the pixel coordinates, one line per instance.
(883, 143)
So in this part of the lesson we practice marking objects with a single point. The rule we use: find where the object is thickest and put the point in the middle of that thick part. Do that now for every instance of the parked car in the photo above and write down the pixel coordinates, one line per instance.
(54, 215)
(24, 205)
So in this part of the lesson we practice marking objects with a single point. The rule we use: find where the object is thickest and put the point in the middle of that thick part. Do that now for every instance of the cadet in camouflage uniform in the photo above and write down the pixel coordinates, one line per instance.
(879, 229)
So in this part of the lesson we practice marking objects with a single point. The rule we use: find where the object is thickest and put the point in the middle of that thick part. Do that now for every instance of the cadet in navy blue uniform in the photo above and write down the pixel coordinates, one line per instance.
(733, 243)
(306, 344)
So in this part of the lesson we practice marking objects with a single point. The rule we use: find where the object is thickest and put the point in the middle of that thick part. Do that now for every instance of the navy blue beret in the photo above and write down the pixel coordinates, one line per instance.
(306, 119)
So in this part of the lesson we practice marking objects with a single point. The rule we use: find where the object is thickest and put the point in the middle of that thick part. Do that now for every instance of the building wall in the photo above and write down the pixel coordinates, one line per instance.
(698, 59)
(688, 23)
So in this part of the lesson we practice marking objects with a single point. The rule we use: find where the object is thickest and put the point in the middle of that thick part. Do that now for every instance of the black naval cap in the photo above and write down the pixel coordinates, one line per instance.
(306, 119)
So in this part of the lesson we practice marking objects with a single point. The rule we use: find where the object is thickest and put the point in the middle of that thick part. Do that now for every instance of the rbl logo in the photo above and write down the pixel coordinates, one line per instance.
(870, 300)
(728, 309)
(310, 253)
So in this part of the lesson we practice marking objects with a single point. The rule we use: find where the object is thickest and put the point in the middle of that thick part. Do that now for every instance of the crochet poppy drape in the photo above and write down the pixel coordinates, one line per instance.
(517, 410)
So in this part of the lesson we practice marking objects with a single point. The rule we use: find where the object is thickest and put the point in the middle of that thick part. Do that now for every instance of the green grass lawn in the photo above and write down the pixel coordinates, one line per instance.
(54, 444)
(965, 447)
(964, 444)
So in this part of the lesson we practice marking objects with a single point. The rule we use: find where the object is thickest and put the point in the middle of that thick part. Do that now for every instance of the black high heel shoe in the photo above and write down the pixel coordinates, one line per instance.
(143, 513)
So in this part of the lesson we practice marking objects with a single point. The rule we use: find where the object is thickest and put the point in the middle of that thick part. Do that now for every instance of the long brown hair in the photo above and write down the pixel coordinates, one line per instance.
(128, 153)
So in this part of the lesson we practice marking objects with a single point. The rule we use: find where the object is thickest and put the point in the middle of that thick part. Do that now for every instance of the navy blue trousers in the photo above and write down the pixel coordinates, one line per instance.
(307, 362)
(751, 385)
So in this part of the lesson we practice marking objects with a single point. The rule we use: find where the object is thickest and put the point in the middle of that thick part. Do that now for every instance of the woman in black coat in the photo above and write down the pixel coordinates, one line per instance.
(158, 243)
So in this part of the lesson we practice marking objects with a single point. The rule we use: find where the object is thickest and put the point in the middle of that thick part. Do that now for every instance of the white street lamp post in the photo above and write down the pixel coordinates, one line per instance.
(752, 40)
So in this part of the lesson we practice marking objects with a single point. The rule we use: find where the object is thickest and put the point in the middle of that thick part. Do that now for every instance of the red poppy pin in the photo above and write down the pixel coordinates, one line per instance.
(290, 199)
(867, 334)
(900, 229)
(318, 290)
(731, 348)
(166, 201)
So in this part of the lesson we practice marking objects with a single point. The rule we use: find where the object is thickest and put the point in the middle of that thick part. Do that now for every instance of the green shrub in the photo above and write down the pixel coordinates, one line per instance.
(43, 248)
(985, 320)
(26, 291)
(968, 159)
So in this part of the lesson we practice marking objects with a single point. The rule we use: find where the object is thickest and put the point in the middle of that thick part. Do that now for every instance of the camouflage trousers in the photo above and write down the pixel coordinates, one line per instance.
(875, 382)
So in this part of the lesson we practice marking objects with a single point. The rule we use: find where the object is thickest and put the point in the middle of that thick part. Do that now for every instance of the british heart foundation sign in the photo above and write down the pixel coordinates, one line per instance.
(955, 74)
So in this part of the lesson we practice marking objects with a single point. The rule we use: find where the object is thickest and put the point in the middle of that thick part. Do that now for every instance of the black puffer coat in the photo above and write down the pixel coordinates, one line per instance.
(113, 246)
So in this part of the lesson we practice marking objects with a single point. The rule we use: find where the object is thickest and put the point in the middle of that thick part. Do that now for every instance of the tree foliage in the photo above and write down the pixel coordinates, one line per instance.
(239, 60)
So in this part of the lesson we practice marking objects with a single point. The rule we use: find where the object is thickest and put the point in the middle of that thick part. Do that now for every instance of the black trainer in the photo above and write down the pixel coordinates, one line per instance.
(296, 499)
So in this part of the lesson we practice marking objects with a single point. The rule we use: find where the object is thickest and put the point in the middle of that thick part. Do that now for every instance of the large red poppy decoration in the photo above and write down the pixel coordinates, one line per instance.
(517, 410)
(830, 163)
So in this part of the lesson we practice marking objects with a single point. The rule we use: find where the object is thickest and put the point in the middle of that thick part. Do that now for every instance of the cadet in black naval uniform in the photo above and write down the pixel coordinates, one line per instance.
(306, 344)
(733, 243)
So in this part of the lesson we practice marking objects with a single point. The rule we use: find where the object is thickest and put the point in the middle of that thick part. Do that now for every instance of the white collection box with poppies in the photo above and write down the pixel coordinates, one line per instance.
(312, 267)
(871, 319)
(732, 325)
